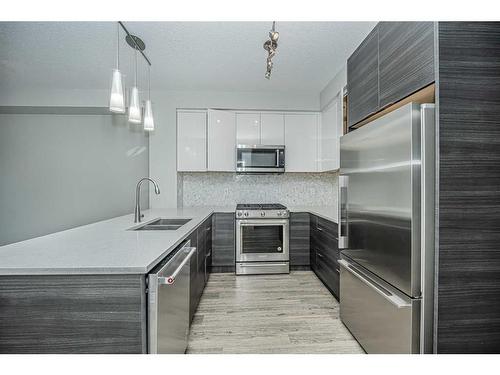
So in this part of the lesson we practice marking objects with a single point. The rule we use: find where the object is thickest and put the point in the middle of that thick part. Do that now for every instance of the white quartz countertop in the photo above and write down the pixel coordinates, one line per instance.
(105, 247)
(109, 247)
(326, 212)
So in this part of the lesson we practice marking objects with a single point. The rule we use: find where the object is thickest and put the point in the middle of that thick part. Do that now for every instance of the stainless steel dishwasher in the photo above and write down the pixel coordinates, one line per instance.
(168, 303)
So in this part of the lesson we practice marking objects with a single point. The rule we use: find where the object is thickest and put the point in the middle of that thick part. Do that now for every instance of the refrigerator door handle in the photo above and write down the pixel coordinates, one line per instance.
(392, 298)
(343, 222)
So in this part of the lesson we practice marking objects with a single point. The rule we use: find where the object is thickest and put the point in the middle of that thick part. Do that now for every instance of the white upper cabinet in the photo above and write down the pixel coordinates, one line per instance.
(221, 141)
(248, 128)
(191, 141)
(206, 140)
(272, 129)
(301, 142)
(329, 137)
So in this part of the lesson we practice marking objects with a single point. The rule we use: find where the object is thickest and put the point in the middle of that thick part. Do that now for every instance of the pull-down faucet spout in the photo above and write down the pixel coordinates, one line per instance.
(137, 211)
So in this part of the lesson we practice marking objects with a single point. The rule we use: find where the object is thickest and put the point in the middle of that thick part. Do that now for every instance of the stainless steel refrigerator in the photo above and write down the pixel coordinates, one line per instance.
(386, 231)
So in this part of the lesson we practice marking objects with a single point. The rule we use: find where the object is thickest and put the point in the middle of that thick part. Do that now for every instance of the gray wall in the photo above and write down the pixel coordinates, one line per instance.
(62, 171)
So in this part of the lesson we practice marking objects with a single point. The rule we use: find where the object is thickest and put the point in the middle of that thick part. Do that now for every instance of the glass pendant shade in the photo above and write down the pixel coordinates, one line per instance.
(149, 123)
(117, 99)
(134, 109)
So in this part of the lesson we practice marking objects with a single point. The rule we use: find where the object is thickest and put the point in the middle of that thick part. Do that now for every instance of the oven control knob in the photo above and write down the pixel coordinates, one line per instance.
(280, 213)
(246, 214)
(239, 213)
(262, 213)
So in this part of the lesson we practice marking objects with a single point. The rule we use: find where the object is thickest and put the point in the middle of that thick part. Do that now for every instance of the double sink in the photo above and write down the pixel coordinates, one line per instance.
(163, 224)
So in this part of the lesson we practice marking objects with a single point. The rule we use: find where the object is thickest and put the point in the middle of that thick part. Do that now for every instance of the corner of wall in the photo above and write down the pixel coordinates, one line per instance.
(333, 87)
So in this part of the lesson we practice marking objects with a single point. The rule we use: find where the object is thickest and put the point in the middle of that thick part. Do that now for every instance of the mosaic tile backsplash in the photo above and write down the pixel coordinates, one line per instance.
(222, 189)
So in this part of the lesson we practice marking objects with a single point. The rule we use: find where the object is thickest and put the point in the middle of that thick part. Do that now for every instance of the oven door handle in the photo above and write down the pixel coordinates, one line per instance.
(261, 222)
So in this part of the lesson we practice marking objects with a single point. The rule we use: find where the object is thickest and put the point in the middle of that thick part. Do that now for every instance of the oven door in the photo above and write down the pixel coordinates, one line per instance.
(261, 240)
(260, 159)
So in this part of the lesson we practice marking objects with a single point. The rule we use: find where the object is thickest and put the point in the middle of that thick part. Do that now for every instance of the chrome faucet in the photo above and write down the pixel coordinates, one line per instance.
(137, 211)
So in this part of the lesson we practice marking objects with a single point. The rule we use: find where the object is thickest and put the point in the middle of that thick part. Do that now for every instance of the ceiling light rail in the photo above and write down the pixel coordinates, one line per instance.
(135, 42)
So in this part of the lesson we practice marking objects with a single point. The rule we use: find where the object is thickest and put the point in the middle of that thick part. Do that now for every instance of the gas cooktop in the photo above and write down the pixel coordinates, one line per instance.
(260, 206)
(261, 210)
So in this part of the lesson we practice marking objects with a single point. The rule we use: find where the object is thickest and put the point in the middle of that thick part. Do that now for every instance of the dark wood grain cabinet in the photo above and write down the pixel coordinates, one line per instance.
(394, 61)
(223, 250)
(406, 59)
(468, 307)
(325, 253)
(209, 225)
(194, 285)
(199, 265)
(362, 79)
(299, 240)
(73, 314)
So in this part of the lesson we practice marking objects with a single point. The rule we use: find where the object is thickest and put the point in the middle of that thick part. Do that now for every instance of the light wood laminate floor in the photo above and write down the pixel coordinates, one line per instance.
(262, 314)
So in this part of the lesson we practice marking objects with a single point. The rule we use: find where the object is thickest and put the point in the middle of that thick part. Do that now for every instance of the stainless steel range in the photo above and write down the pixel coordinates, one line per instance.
(262, 239)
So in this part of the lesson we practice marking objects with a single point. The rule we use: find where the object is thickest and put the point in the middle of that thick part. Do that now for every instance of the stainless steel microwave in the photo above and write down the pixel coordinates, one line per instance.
(260, 159)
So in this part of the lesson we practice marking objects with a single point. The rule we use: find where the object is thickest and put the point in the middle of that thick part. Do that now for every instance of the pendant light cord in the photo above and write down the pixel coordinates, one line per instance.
(135, 76)
(118, 46)
(149, 82)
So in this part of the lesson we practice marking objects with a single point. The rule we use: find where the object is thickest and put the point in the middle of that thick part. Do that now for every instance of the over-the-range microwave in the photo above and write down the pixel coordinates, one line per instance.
(260, 159)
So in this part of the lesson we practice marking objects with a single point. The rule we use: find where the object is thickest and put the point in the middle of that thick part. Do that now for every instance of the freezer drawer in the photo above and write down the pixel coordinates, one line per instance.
(382, 319)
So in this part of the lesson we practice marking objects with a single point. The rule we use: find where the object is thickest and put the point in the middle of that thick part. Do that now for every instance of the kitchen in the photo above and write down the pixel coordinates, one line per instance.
(289, 199)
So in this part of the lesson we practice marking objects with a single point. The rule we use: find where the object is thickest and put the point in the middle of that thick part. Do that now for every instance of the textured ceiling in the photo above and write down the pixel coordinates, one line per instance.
(185, 55)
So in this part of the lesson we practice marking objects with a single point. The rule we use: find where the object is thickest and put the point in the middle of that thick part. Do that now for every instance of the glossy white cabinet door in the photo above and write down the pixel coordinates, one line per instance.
(221, 141)
(191, 141)
(301, 142)
(329, 139)
(248, 128)
(272, 129)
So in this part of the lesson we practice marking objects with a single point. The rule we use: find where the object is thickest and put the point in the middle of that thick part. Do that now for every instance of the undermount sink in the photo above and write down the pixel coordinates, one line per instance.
(164, 224)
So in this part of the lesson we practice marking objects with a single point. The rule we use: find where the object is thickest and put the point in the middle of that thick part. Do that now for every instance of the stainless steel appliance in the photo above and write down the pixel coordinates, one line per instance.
(386, 231)
(262, 239)
(260, 159)
(168, 303)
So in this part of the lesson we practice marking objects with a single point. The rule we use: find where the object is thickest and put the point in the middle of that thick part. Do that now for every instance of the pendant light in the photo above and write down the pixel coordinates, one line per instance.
(149, 123)
(134, 109)
(117, 99)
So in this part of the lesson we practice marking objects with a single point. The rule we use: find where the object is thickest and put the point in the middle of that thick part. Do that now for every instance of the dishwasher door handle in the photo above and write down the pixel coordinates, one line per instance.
(169, 280)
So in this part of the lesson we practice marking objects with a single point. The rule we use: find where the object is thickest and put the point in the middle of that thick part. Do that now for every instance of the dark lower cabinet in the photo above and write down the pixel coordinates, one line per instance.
(299, 240)
(223, 241)
(194, 280)
(325, 253)
(199, 267)
(73, 314)
(208, 248)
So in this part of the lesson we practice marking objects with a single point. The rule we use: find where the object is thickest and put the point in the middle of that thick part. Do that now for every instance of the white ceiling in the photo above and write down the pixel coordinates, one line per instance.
(185, 55)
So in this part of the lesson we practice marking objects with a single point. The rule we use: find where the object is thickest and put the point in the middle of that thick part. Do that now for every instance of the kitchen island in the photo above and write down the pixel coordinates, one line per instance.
(83, 290)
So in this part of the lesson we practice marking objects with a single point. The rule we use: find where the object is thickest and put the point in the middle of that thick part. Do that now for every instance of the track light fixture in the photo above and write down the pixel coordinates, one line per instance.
(270, 46)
